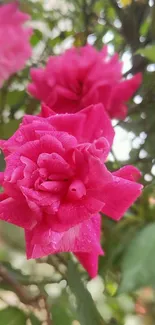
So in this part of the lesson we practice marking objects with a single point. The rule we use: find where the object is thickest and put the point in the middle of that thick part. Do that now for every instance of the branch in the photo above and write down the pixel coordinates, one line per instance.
(139, 64)
(23, 294)
(48, 315)
(27, 282)
(54, 262)
(86, 18)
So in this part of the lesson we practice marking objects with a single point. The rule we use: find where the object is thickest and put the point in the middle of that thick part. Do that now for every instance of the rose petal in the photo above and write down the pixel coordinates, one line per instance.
(118, 196)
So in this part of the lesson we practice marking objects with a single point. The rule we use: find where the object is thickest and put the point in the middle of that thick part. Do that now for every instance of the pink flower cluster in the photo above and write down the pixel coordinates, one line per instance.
(15, 48)
(81, 77)
(56, 182)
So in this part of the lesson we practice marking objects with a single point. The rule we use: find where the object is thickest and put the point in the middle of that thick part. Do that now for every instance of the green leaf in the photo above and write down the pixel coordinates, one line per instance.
(2, 162)
(148, 52)
(61, 311)
(12, 316)
(34, 320)
(86, 309)
(60, 315)
(138, 264)
(7, 130)
(36, 37)
(15, 97)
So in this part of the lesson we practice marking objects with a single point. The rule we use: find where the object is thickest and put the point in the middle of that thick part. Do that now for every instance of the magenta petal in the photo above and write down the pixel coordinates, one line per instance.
(15, 47)
(91, 124)
(53, 186)
(83, 240)
(128, 172)
(128, 87)
(97, 124)
(1, 177)
(121, 93)
(30, 166)
(98, 174)
(17, 213)
(90, 168)
(102, 148)
(67, 122)
(84, 237)
(13, 165)
(118, 196)
(46, 111)
(43, 199)
(89, 262)
(55, 165)
(31, 150)
(72, 213)
(51, 144)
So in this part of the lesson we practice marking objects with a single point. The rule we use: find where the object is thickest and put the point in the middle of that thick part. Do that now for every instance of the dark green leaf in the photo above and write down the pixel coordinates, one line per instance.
(12, 316)
(7, 130)
(138, 264)
(34, 320)
(61, 315)
(86, 309)
(14, 97)
(13, 235)
(2, 161)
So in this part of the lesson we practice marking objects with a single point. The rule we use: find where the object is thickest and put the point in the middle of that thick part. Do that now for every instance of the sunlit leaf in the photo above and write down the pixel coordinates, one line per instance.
(148, 52)
(126, 2)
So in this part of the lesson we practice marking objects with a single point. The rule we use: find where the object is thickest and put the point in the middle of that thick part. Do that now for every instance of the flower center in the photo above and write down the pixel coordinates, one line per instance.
(76, 190)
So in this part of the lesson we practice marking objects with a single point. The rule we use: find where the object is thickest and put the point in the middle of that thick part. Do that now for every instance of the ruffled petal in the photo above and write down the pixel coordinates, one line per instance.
(72, 213)
(17, 213)
(91, 124)
(85, 237)
(128, 172)
(118, 196)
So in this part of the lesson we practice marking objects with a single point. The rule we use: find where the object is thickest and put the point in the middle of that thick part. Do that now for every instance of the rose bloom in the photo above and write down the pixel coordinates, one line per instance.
(56, 183)
(15, 47)
(81, 77)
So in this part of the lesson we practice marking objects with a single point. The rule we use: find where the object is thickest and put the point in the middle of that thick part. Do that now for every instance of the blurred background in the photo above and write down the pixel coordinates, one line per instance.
(124, 291)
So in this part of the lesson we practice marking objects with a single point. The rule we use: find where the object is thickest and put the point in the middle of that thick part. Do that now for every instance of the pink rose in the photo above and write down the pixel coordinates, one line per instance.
(56, 182)
(15, 47)
(81, 77)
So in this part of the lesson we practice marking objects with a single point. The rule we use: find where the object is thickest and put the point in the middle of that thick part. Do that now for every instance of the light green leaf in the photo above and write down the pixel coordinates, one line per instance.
(12, 316)
(36, 37)
(86, 309)
(148, 52)
(138, 264)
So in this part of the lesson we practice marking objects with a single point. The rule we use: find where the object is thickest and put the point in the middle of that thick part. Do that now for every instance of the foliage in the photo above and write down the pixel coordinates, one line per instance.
(128, 27)
(87, 312)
